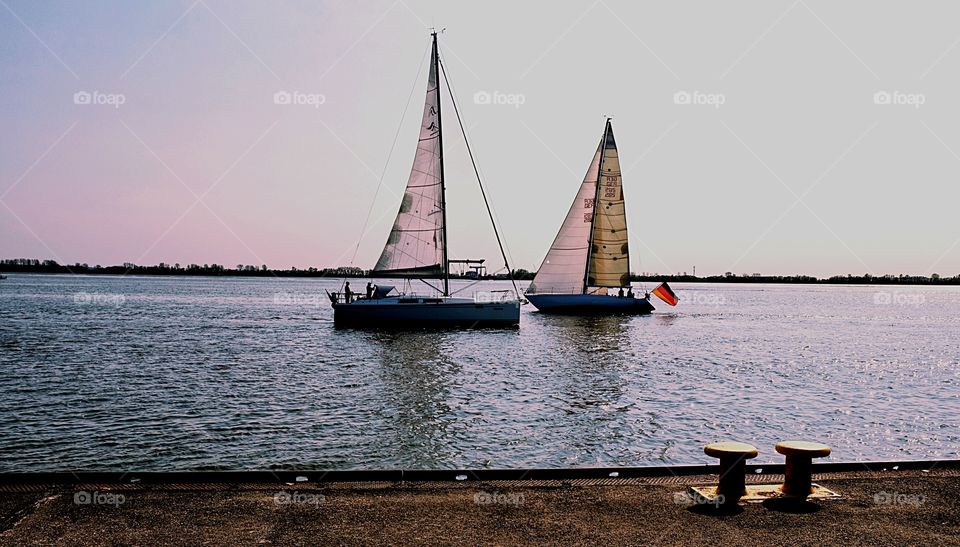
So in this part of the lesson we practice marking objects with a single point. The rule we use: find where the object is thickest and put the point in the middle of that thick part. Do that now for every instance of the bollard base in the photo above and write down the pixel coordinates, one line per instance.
(756, 493)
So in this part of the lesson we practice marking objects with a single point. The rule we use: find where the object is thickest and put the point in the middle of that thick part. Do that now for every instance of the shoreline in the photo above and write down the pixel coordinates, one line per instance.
(877, 282)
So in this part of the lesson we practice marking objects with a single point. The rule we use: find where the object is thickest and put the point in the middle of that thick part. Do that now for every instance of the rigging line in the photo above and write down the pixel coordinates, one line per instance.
(456, 292)
(461, 289)
(495, 215)
(596, 208)
(476, 171)
(429, 285)
(389, 155)
(505, 245)
(491, 209)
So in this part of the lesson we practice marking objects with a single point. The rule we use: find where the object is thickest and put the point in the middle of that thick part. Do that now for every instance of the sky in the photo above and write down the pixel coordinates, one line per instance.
(779, 137)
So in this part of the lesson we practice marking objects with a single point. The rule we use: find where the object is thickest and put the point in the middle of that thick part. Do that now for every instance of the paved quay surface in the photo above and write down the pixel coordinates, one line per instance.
(909, 507)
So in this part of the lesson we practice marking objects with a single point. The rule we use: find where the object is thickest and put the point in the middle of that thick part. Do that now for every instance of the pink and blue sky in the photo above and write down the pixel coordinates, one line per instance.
(776, 137)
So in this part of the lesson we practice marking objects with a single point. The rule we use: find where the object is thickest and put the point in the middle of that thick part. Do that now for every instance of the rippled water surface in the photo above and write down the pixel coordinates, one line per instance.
(158, 373)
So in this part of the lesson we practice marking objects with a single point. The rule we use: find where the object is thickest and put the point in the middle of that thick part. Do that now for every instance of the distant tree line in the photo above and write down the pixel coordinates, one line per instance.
(51, 266)
(849, 279)
(32, 265)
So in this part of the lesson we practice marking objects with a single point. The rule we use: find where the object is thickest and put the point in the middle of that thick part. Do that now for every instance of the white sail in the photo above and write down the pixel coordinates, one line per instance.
(609, 255)
(415, 245)
(563, 268)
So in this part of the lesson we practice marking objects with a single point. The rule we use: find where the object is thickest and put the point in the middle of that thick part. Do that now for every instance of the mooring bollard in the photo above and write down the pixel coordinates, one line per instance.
(798, 472)
(733, 460)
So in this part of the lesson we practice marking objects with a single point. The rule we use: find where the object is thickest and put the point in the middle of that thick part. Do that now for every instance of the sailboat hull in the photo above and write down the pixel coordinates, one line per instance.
(404, 312)
(589, 304)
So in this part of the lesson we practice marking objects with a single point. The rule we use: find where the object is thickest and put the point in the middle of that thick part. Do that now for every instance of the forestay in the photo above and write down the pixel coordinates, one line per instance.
(563, 268)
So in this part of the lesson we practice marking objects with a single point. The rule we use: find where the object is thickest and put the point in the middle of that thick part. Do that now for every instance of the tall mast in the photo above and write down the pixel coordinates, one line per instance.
(443, 188)
(596, 200)
(627, 243)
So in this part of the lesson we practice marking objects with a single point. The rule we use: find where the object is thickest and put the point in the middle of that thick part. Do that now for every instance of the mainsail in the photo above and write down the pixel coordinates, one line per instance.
(591, 248)
(416, 243)
(609, 255)
(562, 269)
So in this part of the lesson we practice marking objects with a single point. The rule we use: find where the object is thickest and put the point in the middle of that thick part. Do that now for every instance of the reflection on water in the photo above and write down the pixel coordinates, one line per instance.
(591, 378)
(417, 378)
(593, 382)
(665, 318)
(222, 373)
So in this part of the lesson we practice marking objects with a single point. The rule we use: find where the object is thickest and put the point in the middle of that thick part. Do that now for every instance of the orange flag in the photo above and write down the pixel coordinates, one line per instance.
(664, 293)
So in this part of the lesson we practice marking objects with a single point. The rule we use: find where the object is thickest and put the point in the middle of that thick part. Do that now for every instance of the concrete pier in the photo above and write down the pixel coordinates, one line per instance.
(878, 506)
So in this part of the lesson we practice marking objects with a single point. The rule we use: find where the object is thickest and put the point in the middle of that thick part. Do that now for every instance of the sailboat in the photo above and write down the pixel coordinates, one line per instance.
(590, 257)
(417, 245)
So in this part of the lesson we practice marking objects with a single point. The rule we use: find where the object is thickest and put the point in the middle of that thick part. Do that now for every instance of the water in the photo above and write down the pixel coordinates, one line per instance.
(159, 373)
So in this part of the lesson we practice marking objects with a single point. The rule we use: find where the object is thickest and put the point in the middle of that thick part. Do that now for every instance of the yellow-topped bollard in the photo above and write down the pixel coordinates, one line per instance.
(798, 472)
(733, 460)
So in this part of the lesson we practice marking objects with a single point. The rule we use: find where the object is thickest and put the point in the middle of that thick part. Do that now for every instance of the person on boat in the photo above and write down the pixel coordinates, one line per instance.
(620, 293)
(369, 289)
(347, 293)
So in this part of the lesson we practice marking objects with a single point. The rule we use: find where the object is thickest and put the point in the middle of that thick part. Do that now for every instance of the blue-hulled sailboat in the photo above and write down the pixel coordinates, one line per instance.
(587, 269)
(417, 245)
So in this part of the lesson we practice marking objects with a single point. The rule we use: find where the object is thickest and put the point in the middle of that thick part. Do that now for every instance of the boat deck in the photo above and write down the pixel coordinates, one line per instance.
(913, 506)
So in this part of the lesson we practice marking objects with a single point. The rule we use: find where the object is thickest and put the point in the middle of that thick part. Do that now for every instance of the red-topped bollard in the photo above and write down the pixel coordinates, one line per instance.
(733, 460)
(798, 472)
